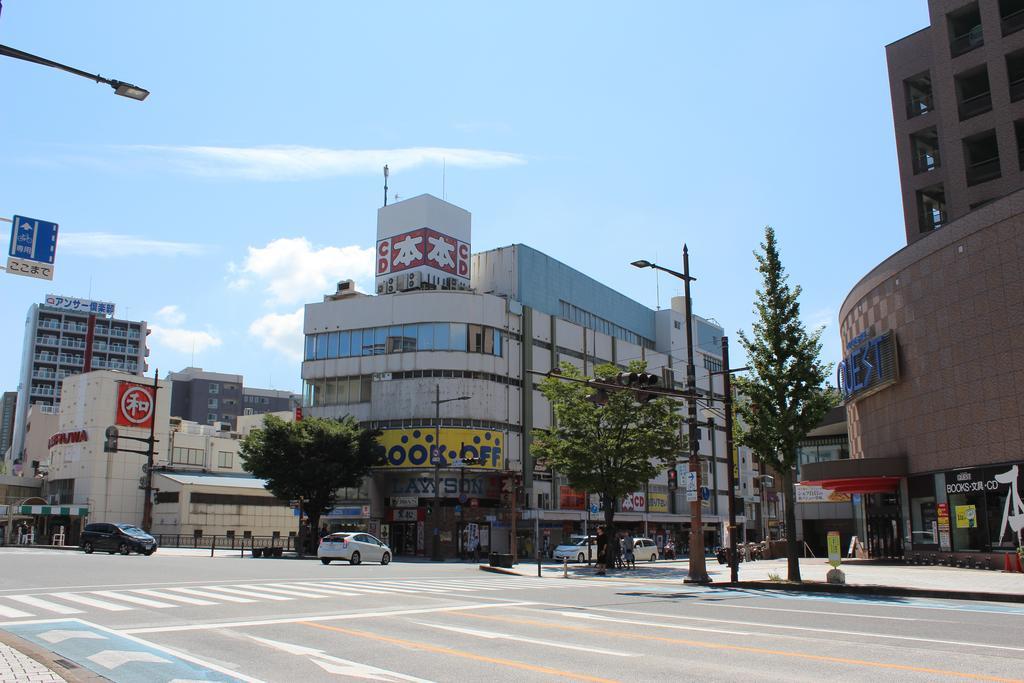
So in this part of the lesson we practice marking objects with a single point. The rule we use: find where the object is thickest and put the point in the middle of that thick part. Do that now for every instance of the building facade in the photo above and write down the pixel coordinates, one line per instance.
(7, 407)
(932, 335)
(66, 336)
(455, 366)
(210, 397)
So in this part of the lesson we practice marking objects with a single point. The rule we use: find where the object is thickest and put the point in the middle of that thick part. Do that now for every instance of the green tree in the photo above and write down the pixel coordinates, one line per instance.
(310, 459)
(785, 394)
(612, 449)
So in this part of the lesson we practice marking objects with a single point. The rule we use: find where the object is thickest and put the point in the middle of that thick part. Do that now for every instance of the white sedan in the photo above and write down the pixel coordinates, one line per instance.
(354, 547)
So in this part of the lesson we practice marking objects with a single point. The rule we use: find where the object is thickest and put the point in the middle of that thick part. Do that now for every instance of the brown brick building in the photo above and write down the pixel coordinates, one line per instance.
(934, 335)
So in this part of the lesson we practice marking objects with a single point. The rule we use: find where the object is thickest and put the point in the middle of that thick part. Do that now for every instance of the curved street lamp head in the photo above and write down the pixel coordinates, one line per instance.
(128, 90)
(642, 264)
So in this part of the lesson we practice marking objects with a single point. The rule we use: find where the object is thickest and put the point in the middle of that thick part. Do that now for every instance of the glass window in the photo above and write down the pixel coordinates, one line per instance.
(457, 342)
(425, 337)
(344, 339)
(342, 391)
(367, 342)
(332, 345)
(497, 342)
(409, 337)
(321, 346)
(318, 392)
(380, 337)
(331, 392)
(365, 384)
(441, 334)
(488, 340)
(476, 338)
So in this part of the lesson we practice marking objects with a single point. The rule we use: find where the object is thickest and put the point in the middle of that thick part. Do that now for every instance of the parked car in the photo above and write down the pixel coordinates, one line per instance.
(645, 549)
(116, 538)
(354, 547)
(577, 550)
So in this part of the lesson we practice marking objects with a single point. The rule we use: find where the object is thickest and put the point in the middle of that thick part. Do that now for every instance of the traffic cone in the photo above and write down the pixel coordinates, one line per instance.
(1020, 566)
(1008, 565)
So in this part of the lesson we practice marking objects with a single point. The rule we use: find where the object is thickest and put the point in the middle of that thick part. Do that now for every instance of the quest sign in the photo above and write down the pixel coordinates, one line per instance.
(871, 364)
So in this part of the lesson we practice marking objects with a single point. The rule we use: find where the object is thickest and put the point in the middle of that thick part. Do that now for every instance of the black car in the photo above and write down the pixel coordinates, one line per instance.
(117, 538)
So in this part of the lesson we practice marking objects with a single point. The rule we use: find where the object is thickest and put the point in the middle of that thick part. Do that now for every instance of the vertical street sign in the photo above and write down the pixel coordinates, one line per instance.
(692, 494)
(834, 549)
(33, 248)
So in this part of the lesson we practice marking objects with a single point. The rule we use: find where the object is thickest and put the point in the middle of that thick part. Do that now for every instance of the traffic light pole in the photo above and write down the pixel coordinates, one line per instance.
(734, 560)
(147, 504)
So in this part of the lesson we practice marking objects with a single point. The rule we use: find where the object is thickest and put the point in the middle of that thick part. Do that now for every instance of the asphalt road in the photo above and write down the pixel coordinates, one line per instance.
(166, 617)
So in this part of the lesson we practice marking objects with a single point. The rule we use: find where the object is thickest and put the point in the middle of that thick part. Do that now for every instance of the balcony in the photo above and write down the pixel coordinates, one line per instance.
(115, 332)
(75, 327)
(47, 341)
(38, 390)
(45, 357)
(1011, 16)
(72, 343)
(71, 360)
(978, 104)
(44, 374)
(966, 42)
(49, 324)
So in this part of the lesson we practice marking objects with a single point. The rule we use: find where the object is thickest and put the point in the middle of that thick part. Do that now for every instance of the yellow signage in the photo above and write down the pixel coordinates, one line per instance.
(834, 549)
(481, 448)
(657, 502)
(966, 517)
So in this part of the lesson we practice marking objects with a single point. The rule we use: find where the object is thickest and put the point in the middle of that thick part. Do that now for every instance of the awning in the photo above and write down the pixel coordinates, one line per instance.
(856, 475)
(63, 510)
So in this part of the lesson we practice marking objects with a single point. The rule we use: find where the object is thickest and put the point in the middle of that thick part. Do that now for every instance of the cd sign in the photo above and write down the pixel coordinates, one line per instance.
(135, 405)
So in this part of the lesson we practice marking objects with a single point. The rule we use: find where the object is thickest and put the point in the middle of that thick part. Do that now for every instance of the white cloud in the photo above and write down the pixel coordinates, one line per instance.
(110, 245)
(171, 315)
(280, 332)
(182, 340)
(292, 270)
(293, 162)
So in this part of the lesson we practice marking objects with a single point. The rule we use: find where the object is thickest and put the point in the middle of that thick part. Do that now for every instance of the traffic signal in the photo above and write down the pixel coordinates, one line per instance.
(673, 479)
(110, 444)
(638, 381)
(600, 395)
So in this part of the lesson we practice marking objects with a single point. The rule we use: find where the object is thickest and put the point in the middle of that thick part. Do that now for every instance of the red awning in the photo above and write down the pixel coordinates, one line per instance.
(859, 484)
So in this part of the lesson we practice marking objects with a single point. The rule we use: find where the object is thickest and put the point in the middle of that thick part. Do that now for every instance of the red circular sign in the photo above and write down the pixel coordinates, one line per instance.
(136, 405)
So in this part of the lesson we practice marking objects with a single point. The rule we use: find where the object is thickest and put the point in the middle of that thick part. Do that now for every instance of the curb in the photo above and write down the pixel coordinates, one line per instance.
(498, 570)
(69, 671)
(861, 589)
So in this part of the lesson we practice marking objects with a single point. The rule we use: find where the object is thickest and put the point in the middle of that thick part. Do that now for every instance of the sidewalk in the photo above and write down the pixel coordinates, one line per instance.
(861, 576)
(24, 662)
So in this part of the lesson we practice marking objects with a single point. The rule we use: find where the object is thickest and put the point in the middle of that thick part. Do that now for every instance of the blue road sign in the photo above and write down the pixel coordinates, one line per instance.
(33, 240)
(705, 493)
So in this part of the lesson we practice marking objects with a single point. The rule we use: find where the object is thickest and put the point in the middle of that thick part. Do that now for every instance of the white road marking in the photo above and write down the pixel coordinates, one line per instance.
(657, 624)
(60, 635)
(445, 587)
(12, 613)
(44, 604)
(337, 665)
(333, 617)
(801, 611)
(410, 587)
(145, 602)
(353, 586)
(379, 585)
(677, 627)
(249, 593)
(206, 594)
(305, 587)
(475, 633)
(293, 593)
(111, 659)
(173, 598)
(92, 602)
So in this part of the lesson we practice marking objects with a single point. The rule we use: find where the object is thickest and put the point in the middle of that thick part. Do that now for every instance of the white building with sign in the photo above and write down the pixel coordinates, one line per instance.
(442, 360)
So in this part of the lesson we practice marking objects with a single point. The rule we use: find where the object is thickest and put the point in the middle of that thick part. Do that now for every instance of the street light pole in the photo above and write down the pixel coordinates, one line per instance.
(436, 459)
(734, 565)
(121, 88)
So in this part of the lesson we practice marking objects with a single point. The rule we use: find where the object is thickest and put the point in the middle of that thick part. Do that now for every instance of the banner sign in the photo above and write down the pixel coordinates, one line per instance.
(816, 494)
(62, 438)
(871, 365)
(71, 303)
(135, 405)
(657, 502)
(411, 447)
(571, 499)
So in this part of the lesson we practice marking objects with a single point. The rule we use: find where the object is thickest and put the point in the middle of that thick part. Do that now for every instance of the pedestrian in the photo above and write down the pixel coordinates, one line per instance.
(627, 546)
(474, 547)
(602, 551)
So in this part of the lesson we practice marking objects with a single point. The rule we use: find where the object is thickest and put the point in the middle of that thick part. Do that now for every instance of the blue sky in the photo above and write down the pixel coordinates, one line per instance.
(599, 133)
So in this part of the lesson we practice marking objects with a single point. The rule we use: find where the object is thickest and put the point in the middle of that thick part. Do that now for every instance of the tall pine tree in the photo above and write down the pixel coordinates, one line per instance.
(785, 393)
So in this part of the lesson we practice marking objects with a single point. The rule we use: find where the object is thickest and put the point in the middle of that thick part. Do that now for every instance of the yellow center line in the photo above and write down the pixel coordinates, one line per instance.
(459, 653)
(740, 648)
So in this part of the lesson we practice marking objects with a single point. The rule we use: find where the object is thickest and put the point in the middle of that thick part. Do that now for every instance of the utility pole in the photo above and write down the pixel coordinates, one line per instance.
(698, 572)
(734, 562)
(147, 504)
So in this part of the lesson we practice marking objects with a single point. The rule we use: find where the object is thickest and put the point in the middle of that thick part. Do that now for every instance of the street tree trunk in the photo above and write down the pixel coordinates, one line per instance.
(792, 547)
(609, 532)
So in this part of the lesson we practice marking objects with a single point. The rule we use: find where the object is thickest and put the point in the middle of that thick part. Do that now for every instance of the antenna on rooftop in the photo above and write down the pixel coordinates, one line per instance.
(385, 184)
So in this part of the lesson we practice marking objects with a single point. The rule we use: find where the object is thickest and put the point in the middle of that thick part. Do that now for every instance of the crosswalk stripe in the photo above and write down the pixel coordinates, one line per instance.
(437, 588)
(293, 593)
(91, 602)
(12, 613)
(355, 586)
(248, 593)
(44, 604)
(378, 586)
(306, 587)
(145, 602)
(207, 594)
(174, 598)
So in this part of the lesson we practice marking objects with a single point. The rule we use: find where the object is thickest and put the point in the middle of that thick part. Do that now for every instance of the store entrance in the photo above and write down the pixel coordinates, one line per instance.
(403, 538)
(883, 526)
